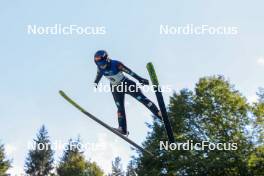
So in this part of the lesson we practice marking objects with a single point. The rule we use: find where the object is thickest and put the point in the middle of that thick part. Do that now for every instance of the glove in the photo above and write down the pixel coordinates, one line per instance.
(143, 81)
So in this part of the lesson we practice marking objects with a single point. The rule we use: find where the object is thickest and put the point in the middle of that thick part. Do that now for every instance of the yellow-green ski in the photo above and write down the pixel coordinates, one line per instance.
(103, 124)
(158, 92)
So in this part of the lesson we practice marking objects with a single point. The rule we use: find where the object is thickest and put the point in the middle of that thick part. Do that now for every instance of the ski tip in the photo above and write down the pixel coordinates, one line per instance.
(149, 64)
(152, 73)
(150, 68)
(61, 93)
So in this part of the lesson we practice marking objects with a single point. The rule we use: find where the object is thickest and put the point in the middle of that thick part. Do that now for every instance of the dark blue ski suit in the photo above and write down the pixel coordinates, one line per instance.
(121, 85)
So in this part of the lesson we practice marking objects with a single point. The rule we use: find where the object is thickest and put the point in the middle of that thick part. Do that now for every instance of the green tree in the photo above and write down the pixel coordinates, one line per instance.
(258, 118)
(256, 159)
(222, 114)
(117, 167)
(73, 162)
(214, 112)
(131, 169)
(39, 161)
(256, 162)
(5, 164)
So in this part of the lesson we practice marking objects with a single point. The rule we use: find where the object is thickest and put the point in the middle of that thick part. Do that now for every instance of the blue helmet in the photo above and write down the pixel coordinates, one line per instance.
(101, 58)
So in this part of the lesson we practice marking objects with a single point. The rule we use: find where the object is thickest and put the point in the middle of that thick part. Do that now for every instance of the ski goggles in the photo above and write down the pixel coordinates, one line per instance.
(102, 63)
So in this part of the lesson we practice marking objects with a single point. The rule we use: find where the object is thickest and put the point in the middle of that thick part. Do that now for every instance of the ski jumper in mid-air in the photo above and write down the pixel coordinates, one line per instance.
(113, 70)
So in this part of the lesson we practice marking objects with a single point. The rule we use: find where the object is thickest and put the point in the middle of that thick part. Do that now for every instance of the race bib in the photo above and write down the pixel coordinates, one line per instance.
(117, 78)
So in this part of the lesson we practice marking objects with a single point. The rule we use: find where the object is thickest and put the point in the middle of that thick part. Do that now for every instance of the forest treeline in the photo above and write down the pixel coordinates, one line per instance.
(214, 112)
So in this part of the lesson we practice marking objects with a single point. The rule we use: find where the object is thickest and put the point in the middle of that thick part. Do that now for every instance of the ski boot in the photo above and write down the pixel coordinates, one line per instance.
(121, 131)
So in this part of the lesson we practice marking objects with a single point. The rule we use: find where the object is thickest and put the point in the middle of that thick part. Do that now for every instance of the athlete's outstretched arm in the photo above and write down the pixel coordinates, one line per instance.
(98, 77)
(127, 70)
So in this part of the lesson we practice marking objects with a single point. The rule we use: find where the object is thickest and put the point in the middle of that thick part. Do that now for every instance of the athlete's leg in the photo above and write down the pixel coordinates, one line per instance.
(121, 114)
(137, 93)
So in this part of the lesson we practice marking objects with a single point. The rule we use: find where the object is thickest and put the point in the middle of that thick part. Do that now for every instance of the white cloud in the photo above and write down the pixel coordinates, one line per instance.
(260, 61)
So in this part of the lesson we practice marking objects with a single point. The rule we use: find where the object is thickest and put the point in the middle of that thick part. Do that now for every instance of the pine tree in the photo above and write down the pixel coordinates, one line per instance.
(5, 164)
(39, 161)
(73, 162)
(117, 167)
(131, 169)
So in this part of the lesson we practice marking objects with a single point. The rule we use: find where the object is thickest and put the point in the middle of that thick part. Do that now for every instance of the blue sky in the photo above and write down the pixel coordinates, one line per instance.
(33, 67)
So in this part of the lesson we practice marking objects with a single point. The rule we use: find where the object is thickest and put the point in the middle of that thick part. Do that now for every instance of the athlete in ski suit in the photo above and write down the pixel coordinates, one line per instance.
(113, 70)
